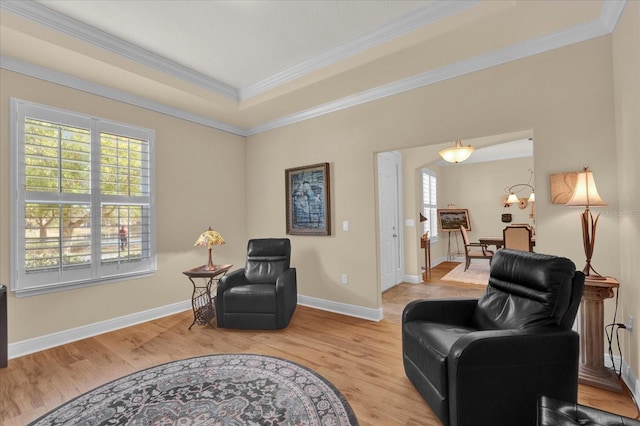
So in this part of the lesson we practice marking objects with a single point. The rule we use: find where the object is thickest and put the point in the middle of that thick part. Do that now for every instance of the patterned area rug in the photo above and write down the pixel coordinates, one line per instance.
(229, 389)
(478, 273)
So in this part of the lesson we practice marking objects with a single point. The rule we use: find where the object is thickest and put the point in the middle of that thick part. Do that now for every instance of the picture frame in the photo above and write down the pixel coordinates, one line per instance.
(308, 200)
(562, 186)
(450, 219)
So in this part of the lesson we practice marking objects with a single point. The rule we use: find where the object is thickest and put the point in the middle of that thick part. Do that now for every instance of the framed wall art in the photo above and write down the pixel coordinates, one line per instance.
(451, 219)
(562, 185)
(308, 198)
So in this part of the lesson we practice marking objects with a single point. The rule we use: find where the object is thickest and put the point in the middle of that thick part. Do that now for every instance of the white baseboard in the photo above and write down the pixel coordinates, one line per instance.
(417, 279)
(629, 377)
(341, 308)
(41, 343)
(412, 279)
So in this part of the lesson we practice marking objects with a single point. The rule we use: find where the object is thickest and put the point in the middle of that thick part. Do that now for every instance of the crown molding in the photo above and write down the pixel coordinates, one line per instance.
(411, 22)
(611, 12)
(511, 53)
(15, 65)
(605, 24)
(72, 27)
(45, 16)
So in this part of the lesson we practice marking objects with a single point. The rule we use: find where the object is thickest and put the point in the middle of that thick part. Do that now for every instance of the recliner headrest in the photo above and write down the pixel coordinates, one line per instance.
(267, 258)
(526, 290)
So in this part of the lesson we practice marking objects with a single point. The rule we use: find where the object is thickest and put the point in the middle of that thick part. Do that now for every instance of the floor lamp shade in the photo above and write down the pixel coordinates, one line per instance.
(586, 194)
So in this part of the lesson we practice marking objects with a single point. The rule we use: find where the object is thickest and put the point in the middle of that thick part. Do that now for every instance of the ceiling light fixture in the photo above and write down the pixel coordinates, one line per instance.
(457, 154)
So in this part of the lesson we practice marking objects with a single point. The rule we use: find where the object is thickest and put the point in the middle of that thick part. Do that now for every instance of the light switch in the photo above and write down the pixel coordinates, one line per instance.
(345, 225)
(409, 223)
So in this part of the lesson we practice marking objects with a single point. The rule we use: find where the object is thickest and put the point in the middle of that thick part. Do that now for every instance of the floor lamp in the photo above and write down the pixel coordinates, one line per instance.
(585, 194)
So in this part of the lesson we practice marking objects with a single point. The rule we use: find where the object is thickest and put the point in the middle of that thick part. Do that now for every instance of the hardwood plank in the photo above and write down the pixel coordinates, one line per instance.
(363, 359)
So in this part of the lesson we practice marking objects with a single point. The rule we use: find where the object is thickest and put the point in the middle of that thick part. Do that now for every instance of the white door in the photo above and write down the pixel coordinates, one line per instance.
(389, 168)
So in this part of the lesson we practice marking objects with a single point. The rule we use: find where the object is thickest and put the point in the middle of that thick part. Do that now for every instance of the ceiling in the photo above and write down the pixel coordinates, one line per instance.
(251, 66)
(239, 43)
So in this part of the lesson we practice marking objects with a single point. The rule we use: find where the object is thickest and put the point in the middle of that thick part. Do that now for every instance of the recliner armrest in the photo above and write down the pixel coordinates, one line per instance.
(447, 311)
(501, 348)
(286, 278)
(232, 279)
(513, 367)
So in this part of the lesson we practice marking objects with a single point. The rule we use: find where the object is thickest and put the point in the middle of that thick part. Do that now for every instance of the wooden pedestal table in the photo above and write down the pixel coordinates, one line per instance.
(591, 328)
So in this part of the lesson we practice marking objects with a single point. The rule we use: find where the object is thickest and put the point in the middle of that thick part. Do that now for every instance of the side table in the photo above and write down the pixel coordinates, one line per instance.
(204, 310)
(591, 328)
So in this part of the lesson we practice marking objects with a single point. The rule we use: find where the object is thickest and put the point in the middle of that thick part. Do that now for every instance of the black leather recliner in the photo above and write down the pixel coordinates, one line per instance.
(263, 295)
(554, 412)
(484, 362)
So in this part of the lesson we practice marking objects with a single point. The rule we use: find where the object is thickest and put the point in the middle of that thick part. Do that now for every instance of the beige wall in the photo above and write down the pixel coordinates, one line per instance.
(564, 96)
(478, 187)
(473, 186)
(200, 182)
(626, 65)
(207, 177)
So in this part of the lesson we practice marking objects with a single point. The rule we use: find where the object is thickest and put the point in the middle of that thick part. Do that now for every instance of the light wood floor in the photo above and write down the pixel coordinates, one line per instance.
(361, 358)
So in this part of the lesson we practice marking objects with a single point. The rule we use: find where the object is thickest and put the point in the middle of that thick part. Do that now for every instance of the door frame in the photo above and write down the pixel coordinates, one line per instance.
(399, 270)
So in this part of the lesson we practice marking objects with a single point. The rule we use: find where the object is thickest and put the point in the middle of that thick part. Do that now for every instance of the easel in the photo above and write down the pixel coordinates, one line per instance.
(452, 255)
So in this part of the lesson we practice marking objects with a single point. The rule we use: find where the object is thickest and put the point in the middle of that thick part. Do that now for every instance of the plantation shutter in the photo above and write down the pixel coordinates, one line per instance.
(83, 209)
(126, 198)
(430, 203)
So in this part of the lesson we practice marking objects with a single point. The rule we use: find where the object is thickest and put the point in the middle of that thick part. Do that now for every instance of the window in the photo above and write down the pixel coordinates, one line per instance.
(84, 210)
(430, 203)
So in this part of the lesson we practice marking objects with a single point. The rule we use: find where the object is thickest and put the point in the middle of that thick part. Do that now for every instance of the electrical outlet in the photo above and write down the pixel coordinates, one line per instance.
(629, 323)
(345, 279)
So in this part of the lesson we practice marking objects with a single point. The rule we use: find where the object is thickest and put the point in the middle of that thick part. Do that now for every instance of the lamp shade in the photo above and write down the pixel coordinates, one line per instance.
(456, 154)
(585, 192)
(209, 238)
(513, 199)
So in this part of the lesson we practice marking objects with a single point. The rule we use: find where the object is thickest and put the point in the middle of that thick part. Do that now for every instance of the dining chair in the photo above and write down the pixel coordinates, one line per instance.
(474, 250)
(518, 238)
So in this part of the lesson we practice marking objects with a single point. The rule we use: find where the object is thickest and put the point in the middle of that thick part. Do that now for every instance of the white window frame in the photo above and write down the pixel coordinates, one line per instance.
(97, 271)
(429, 179)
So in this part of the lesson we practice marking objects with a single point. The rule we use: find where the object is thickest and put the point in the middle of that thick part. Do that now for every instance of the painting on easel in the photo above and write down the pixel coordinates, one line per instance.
(451, 219)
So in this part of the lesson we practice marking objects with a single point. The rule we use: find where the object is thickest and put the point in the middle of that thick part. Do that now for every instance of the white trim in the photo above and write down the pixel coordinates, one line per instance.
(605, 24)
(611, 13)
(341, 308)
(35, 71)
(497, 57)
(629, 376)
(25, 282)
(45, 16)
(412, 279)
(41, 343)
(411, 22)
